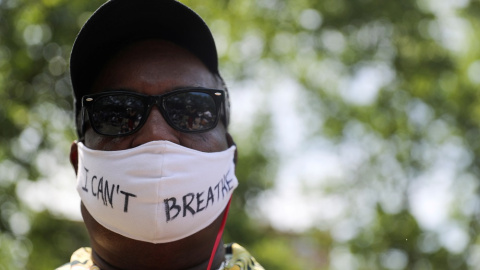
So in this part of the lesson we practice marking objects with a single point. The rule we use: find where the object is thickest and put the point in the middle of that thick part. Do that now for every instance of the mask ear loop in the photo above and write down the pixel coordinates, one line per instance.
(219, 234)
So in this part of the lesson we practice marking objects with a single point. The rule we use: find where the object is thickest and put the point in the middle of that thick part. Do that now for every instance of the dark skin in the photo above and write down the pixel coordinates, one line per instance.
(154, 67)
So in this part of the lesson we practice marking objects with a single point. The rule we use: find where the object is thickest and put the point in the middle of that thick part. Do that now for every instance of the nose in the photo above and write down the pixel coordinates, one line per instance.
(155, 129)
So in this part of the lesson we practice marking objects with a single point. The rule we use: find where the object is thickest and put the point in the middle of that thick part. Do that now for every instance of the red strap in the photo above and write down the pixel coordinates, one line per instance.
(220, 233)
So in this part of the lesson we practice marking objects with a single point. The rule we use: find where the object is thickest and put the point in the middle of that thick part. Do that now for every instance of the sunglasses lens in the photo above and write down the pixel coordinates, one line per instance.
(117, 114)
(122, 114)
(191, 111)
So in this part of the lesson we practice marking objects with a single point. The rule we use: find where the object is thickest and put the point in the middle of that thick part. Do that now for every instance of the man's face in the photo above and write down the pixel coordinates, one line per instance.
(153, 67)
(156, 67)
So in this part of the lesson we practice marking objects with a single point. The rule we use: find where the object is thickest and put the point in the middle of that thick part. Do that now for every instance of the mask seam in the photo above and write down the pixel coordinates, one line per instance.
(157, 214)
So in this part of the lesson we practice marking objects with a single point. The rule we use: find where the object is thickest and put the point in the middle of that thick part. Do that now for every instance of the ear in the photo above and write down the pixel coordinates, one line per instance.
(74, 156)
(230, 143)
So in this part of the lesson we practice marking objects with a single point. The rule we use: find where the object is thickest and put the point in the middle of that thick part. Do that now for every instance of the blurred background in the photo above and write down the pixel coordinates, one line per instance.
(356, 123)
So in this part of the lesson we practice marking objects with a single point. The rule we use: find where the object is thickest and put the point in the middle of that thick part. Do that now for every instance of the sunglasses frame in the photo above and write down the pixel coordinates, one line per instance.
(88, 102)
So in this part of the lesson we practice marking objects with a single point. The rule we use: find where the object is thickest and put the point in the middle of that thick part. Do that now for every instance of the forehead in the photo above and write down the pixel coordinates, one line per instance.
(153, 67)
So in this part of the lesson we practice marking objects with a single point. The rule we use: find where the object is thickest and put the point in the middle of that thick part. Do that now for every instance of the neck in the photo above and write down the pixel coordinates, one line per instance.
(161, 261)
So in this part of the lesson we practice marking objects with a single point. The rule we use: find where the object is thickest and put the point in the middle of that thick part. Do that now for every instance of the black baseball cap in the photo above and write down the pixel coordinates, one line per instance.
(120, 22)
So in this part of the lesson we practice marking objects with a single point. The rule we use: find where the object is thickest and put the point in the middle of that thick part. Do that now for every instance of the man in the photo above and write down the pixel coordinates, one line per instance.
(154, 161)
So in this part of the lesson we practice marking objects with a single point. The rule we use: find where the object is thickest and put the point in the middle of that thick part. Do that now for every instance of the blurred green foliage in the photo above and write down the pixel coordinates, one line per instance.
(423, 59)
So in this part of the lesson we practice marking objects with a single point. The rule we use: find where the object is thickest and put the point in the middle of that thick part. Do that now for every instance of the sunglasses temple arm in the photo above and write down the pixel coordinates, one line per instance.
(82, 127)
(226, 112)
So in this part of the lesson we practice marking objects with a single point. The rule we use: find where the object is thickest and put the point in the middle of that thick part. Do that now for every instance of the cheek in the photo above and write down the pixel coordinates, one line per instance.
(212, 141)
(92, 140)
(99, 142)
(219, 140)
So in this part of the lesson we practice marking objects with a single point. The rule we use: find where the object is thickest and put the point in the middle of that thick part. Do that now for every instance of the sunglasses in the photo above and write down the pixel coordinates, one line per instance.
(121, 113)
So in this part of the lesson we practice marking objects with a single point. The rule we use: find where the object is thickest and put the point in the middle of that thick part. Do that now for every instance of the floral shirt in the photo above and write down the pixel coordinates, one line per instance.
(236, 258)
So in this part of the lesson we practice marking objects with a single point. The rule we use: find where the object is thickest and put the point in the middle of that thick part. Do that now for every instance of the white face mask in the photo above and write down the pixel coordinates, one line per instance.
(158, 192)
